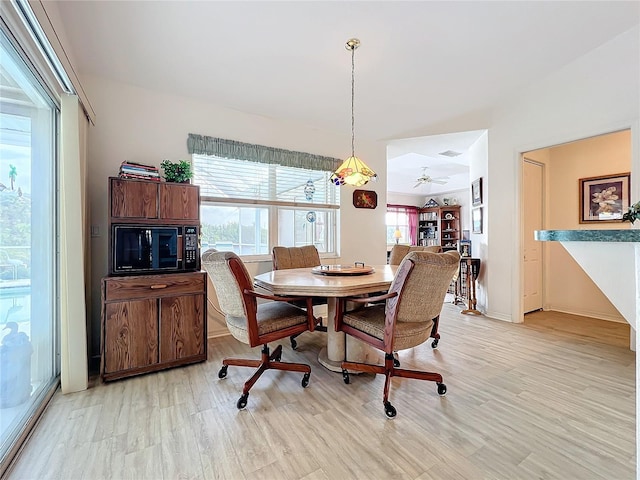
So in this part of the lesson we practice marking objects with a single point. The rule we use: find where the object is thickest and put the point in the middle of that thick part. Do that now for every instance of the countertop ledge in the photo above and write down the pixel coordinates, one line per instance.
(629, 235)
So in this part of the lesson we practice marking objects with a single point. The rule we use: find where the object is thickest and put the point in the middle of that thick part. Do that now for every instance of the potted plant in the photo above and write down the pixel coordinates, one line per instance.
(179, 172)
(633, 214)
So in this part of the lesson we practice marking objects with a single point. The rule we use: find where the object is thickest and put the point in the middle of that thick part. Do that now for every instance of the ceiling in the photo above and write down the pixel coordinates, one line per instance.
(423, 66)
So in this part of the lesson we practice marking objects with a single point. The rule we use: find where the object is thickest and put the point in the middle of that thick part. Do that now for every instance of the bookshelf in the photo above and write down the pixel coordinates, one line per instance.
(439, 226)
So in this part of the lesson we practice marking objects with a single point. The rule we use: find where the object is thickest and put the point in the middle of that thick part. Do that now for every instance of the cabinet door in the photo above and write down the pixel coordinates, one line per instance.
(181, 327)
(131, 199)
(131, 335)
(179, 201)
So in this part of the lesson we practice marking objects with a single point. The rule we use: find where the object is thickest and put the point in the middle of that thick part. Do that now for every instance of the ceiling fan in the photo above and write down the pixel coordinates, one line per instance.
(425, 179)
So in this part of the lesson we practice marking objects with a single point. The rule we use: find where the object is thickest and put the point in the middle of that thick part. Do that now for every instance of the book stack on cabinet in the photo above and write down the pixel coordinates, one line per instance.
(139, 171)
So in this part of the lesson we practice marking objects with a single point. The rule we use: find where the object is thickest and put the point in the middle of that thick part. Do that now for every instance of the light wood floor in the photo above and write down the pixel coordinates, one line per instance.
(523, 402)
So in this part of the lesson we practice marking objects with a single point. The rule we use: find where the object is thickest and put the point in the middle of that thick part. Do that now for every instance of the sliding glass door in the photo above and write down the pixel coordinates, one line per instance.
(29, 360)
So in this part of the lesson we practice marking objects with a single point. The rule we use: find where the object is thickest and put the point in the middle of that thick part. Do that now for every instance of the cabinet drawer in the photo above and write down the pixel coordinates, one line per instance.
(150, 286)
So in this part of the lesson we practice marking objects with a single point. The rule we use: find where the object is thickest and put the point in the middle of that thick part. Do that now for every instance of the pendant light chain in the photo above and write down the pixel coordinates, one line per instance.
(353, 83)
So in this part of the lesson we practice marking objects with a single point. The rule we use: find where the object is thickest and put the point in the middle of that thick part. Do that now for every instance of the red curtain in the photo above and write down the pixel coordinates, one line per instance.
(412, 215)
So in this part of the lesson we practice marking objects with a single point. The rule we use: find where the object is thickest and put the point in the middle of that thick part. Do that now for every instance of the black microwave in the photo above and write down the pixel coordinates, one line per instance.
(154, 249)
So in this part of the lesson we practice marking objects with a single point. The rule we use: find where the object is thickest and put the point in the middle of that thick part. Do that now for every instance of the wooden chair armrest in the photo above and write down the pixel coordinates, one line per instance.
(277, 298)
(311, 320)
(370, 299)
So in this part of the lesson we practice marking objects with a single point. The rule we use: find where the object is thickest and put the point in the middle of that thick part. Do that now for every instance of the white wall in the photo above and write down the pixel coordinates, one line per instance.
(478, 169)
(394, 198)
(596, 94)
(145, 126)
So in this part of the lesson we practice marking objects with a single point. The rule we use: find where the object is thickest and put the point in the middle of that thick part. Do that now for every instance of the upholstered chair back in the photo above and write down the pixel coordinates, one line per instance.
(398, 252)
(295, 257)
(229, 287)
(422, 292)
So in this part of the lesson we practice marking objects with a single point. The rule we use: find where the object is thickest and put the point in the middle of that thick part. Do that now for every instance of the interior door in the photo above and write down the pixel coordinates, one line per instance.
(533, 194)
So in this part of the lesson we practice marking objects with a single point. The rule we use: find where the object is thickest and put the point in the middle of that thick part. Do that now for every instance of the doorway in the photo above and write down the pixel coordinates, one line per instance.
(550, 200)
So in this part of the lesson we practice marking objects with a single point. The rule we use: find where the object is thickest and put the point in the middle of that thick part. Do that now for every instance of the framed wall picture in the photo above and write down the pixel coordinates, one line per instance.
(365, 199)
(605, 198)
(476, 220)
(465, 248)
(476, 192)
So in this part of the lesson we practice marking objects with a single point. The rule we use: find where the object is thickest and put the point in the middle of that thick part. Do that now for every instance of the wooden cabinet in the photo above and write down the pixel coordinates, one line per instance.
(449, 227)
(179, 201)
(153, 202)
(152, 322)
(439, 226)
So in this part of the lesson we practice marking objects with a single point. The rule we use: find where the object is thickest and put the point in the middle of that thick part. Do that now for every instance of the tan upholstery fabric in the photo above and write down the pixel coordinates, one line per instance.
(371, 321)
(271, 316)
(398, 252)
(295, 257)
(229, 297)
(420, 300)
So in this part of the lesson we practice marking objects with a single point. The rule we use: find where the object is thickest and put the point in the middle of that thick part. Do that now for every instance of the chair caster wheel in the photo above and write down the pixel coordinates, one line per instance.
(389, 410)
(396, 362)
(434, 344)
(294, 344)
(345, 376)
(242, 402)
(305, 380)
(442, 389)
(223, 371)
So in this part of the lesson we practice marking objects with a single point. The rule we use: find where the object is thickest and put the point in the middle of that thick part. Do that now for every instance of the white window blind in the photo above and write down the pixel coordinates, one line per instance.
(232, 179)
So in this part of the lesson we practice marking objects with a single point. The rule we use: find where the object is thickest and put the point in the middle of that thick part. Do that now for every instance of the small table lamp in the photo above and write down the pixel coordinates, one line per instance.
(397, 235)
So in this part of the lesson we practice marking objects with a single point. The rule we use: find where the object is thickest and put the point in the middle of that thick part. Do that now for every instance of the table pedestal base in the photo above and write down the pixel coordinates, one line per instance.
(328, 364)
(341, 346)
(336, 366)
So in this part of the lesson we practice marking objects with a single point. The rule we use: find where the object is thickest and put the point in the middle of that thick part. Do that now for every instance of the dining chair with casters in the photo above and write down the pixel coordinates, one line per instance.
(255, 324)
(299, 257)
(397, 254)
(414, 299)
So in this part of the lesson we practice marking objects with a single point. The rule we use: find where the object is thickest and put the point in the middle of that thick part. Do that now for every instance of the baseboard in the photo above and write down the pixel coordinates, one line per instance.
(218, 334)
(586, 313)
(498, 316)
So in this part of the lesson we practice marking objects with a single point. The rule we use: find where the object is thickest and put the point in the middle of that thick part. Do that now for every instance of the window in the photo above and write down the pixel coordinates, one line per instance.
(249, 207)
(28, 339)
(404, 219)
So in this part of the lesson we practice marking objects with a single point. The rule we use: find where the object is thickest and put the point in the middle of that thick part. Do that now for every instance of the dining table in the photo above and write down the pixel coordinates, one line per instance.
(333, 285)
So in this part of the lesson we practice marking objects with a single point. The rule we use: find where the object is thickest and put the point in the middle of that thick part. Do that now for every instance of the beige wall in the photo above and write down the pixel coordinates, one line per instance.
(567, 287)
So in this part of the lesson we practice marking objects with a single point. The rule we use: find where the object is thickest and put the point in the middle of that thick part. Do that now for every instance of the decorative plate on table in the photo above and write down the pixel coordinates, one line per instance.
(357, 269)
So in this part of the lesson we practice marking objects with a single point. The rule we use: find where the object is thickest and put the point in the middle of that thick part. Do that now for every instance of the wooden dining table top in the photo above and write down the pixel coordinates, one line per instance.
(301, 281)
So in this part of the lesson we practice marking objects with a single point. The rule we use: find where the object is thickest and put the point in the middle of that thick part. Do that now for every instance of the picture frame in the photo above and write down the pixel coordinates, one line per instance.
(465, 248)
(365, 199)
(604, 198)
(476, 192)
(476, 220)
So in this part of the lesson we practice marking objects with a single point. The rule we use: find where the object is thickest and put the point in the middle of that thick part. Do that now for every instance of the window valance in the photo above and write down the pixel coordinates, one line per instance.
(220, 147)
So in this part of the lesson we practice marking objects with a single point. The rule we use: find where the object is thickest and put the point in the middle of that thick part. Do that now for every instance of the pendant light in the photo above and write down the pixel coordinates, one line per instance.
(353, 171)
